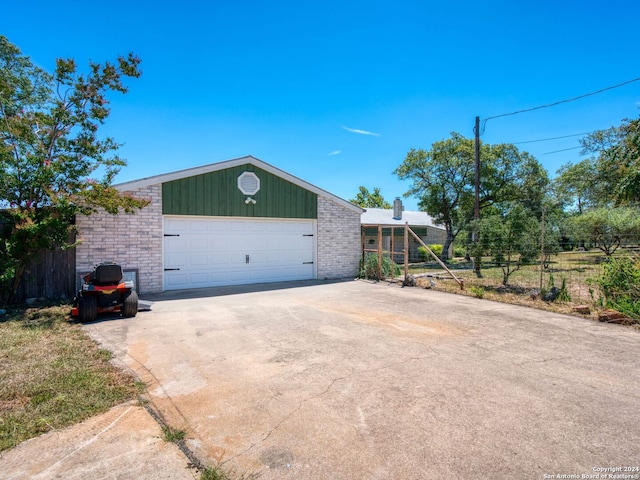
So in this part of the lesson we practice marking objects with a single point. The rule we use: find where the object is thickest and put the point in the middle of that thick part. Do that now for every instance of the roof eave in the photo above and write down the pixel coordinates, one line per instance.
(214, 167)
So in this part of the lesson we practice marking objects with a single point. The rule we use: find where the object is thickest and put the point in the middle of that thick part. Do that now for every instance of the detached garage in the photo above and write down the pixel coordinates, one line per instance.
(213, 251)
(235, 222)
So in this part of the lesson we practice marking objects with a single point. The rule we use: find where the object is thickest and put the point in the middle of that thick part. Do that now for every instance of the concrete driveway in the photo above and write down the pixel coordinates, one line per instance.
(355, 380)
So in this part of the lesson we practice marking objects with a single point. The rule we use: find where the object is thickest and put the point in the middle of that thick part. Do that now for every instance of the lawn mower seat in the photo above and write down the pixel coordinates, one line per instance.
(106, 274)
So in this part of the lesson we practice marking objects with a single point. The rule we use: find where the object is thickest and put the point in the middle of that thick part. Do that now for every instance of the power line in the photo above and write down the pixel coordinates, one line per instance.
(565, 101)
(559, 102)
(558, 151)
(478, 132)
(552, 138)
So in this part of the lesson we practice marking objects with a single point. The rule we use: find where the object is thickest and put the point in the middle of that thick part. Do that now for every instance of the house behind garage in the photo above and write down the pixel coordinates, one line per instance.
(392, 222)
(235, 222)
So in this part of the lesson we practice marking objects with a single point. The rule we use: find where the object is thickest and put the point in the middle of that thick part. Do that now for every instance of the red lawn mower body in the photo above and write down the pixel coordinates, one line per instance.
(104, 291)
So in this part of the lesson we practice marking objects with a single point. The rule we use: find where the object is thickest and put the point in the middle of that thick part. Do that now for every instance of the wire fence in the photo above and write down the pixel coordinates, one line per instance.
(575, 273)
(570, 269)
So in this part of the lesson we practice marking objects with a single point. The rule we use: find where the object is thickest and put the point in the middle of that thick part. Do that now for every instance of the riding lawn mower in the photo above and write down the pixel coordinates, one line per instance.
(104, 291)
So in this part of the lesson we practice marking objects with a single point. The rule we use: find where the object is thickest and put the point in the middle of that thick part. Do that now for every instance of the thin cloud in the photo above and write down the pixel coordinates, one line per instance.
(361, 132)
(335, 152)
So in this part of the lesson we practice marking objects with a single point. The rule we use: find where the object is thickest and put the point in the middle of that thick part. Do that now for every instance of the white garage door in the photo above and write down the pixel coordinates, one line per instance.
(213, 251)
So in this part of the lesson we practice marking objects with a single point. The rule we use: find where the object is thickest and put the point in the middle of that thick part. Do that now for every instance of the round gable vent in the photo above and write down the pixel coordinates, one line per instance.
(248, 183)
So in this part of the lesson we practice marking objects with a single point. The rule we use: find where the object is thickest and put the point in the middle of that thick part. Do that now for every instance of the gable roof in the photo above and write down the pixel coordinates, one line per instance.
(381, 216)
(214, 167)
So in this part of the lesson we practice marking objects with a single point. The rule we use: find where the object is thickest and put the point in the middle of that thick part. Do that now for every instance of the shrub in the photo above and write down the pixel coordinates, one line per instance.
(459, 251)
(619, 284)
(563, 292)
(564, 295)
(369, 269)
(424, 253)
(477, 291)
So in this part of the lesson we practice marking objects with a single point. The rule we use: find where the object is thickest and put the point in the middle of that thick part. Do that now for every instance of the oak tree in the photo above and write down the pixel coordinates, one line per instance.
(367, 199)
(443, 177)
(617, 162)
(53, 162)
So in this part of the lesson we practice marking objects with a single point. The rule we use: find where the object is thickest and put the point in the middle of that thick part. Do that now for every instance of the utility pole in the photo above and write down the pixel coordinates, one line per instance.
(542, 248)
(476, 211)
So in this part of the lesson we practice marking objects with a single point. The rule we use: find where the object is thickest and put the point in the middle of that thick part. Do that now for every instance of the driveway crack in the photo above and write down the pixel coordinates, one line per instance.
(320, 394)
(544, 360)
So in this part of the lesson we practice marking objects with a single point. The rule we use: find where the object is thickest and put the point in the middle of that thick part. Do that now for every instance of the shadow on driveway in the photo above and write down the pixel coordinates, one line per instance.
(236, 289)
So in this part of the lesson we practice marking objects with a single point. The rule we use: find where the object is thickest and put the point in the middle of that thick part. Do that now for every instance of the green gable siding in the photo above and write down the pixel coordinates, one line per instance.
(216, 194)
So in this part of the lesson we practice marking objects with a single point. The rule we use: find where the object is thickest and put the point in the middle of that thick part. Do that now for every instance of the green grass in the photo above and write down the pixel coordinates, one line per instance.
(216, 473)
(478, 292)
(53, 375)
(172, 435)
(576, 268)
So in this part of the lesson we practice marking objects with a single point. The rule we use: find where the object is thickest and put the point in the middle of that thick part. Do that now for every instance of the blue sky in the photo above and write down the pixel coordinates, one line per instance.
(337, 92)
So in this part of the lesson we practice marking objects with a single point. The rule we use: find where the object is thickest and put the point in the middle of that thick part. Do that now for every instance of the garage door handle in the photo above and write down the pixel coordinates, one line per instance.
(170, 269)
(307, 263)
(171, 234)
(307, 234)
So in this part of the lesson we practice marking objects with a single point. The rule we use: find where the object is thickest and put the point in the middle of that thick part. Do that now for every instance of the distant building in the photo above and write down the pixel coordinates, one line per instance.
(420, 222)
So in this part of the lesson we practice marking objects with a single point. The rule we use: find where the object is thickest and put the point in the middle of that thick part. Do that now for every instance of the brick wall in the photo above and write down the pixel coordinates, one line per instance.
(338, 240)
(132, 240)
(135, 240)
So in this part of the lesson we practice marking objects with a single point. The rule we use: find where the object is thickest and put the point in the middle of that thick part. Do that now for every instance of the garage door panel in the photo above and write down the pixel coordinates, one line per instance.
(199, 278)
(198, 227)
(217, 279)
(199, 243)
(177, 224)
(175, 281)
(218, 242)
(265, 257)
(174, 260)
(212, 251)
(201, 260)
(219, 259)
(246, 227)
(175, 243)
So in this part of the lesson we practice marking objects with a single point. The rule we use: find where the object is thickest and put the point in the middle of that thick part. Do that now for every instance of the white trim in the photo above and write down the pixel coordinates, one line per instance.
(214, 167)
(254, 183)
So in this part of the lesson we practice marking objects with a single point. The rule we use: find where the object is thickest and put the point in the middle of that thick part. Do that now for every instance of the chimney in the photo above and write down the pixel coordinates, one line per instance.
(397, 209)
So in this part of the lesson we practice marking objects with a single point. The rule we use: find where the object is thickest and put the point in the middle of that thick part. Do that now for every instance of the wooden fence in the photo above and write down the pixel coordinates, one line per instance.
(51, 276)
